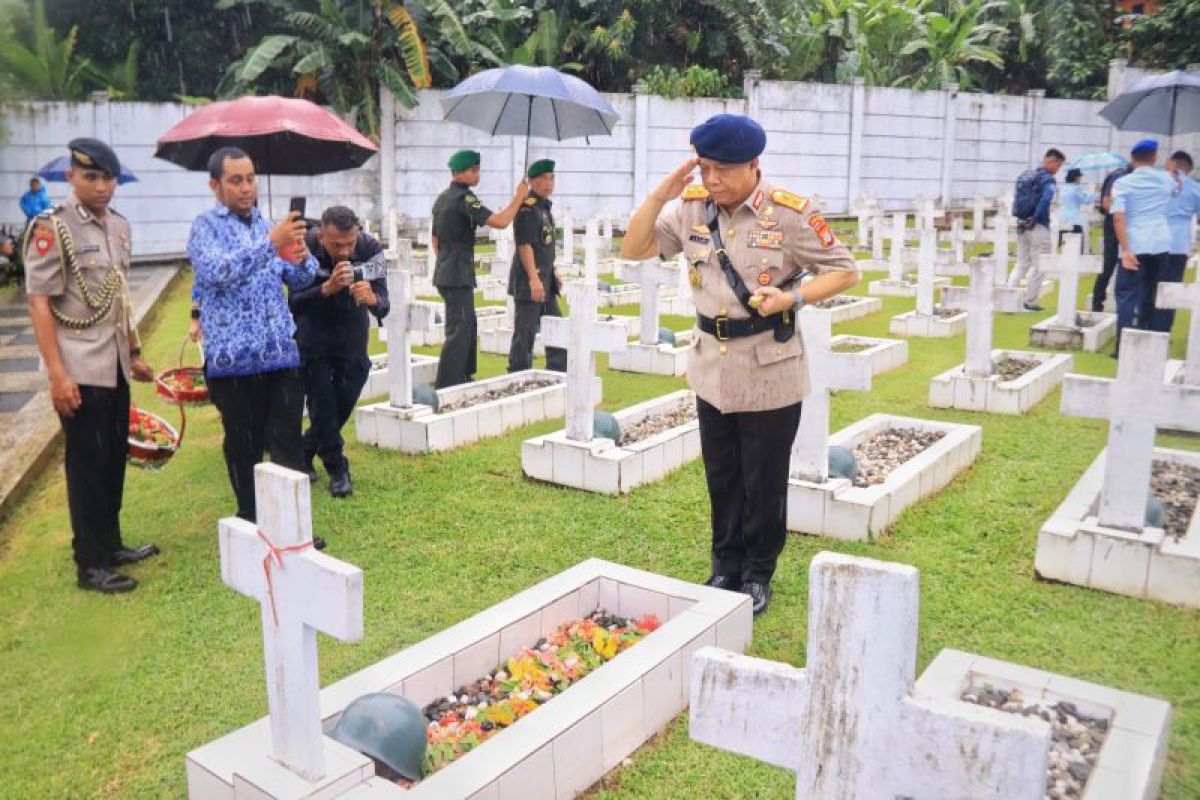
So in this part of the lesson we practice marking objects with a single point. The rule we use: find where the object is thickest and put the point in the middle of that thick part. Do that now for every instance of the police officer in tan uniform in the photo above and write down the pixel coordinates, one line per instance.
(747, 243)
(76, 263)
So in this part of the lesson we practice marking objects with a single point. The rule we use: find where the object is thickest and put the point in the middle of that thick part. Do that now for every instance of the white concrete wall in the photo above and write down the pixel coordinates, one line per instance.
(834, 141)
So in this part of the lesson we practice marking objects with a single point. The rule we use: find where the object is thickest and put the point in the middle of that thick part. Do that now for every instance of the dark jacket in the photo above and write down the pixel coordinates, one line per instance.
(534, 226)
(336, 326)
(457, 212)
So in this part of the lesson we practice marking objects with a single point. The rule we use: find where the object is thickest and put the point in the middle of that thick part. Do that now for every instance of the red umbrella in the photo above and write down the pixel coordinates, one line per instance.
(283, 136)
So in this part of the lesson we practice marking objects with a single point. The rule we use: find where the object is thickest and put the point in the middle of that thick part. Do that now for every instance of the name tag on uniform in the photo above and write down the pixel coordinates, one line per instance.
(698, 239)
(766, 239)
(87, 248)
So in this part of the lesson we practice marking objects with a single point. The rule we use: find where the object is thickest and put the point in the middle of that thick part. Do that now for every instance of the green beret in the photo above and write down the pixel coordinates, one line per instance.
(540, 168)
(463, 159)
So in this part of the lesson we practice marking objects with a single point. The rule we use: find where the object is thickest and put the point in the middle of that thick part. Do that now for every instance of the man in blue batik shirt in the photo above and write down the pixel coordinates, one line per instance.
(251, 360)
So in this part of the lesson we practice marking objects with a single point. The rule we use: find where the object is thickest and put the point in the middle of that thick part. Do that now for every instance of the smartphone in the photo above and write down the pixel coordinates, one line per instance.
(297, 204)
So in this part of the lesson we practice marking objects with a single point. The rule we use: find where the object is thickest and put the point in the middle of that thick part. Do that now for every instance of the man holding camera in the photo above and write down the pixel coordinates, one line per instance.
(332, 325)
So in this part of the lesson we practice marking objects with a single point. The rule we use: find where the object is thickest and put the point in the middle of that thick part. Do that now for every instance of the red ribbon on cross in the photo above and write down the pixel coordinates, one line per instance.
(275, 553)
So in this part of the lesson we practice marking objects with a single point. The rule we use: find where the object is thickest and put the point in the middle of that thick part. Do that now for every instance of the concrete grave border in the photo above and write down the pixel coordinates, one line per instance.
(1131, 762)
(910, 323)
(956, 389)
(861, 307)
(424, 371)
(840, 510)
(1073, 547)
(556, 752)
(1052, 336)
(602, 466)
(884, 354)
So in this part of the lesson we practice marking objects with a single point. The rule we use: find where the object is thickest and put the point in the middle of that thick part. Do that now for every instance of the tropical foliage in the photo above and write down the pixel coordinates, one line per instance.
(46, 66)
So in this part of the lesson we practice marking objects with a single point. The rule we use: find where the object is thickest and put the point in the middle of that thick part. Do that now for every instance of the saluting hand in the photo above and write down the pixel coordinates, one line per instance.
(673, 185)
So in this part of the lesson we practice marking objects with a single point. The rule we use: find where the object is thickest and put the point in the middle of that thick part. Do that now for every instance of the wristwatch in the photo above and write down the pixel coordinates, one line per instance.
(798, 296)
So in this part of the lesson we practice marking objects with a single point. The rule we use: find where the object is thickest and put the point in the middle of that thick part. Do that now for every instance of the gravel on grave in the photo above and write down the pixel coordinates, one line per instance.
(852, 346)
(1076, 738)
(500, 392)
(1009, 368)
(836, 301)
(1177, 486)
(681, 415)
(946, 313)
(887, 450)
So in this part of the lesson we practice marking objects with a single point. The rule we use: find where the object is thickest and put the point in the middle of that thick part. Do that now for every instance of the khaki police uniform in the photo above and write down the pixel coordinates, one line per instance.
(771, 238)
(81, 263)
(749, 388)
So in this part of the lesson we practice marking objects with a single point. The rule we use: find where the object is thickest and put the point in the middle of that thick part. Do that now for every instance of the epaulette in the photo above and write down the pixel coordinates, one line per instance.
(45, 215)
(793, 201)
(695, 191)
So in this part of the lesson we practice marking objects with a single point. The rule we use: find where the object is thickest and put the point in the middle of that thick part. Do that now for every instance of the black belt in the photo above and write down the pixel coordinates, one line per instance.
(726, 328)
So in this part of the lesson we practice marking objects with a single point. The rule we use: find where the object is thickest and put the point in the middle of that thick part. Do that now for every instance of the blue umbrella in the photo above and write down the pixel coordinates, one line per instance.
(1098, 162)
(530, 101)
(56, 171)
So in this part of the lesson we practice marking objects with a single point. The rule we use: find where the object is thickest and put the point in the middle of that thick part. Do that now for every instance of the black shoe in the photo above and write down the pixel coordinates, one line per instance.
(105, 580)
(728, 582)
(340, 484)
(1033, 307)
(318, 543)
(313, 475)
(132, 555)
(760, 593)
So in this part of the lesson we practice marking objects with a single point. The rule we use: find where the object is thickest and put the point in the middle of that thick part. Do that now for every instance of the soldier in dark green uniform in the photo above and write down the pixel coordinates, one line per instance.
(457, 212)
(531, 281)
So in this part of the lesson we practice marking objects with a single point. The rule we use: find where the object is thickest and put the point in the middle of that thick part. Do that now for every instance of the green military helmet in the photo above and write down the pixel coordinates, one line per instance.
(388, 728)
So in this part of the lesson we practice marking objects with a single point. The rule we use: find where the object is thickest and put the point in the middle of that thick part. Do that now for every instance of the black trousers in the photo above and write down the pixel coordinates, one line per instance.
(97, 440)
(746, 459)
(528, 321)
(1074, 229)
(1163, 319)
(332, 386)
(260, 413)
(457, 362)
(1108, 263)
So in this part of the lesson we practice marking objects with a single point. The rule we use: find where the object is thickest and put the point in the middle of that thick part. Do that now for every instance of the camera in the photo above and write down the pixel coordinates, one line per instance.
(370, 270)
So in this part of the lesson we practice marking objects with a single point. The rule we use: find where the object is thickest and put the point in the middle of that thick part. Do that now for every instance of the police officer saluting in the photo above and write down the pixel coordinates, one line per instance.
(76, 261)
(531, 281)
(457, 212)
(747, 243)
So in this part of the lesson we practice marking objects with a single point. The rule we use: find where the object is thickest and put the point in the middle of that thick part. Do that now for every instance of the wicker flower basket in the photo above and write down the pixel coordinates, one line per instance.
(153, 440)
(183, 384)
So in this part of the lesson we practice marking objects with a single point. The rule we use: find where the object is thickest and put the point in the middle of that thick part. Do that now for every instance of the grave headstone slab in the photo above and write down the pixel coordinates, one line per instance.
(406, 316)
(978, 206)
(847, 737)
(1185, 297)
(301, 591)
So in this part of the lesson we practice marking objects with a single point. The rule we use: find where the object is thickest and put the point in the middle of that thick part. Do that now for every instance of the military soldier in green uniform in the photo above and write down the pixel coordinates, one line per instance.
(531, 281)
(457, 212)
(76, 262)
(747, 243)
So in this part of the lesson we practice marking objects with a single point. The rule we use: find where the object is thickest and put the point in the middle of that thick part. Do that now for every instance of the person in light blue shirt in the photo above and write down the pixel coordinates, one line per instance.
(1139, 206)
(1181, 219)
(252, 364)
(1072, 199)
(35, 201)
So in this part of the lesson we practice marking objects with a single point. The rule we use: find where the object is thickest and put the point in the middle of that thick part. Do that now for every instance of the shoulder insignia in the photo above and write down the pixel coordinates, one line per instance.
(793, 201)
(43, 238)
(695, 191)
(531, 201)
(823, 231)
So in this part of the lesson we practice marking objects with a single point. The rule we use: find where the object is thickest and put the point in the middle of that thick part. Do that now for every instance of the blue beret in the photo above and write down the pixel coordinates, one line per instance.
(94, 154)
(729, 138)
(1145, 146)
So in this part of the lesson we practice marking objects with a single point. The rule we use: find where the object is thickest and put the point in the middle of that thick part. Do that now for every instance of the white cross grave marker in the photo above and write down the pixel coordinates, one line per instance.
(878, 224)
(957, 237)
(827, 371)
(606, 229)
(430, 252)
(1185, 296)
(301, 591)
(1069, 265)
(393, 230)
(583, 336)
(896, 262)
(978, 206)
(503, 237)
(848, 723)
(978, 299)
(1135, 405)
(928, 213)
(591, 248)
(926, 264)
(1000, 234)
(649, 275)
(568, 235)
(405, 316)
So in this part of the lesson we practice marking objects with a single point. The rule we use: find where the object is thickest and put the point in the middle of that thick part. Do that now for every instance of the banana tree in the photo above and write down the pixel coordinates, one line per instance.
(48, 68)
(949, 48)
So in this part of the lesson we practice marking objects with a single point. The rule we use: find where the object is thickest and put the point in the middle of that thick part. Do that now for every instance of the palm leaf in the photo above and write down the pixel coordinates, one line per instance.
(313, 25)
(312, 61)
(412, 47)
(263, 56)
(390, 77)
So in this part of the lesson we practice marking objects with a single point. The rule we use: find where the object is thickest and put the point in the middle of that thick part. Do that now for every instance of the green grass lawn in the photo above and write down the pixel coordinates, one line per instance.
(103, 696)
